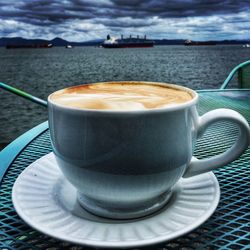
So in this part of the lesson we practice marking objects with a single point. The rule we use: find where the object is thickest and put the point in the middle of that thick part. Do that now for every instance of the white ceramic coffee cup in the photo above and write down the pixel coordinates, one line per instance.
(125, 163)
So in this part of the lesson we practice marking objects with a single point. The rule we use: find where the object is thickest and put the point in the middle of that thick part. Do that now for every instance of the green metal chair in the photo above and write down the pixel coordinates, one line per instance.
(243, 70)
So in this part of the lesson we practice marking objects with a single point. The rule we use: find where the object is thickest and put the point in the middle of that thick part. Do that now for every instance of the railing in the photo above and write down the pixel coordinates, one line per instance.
(232, 73)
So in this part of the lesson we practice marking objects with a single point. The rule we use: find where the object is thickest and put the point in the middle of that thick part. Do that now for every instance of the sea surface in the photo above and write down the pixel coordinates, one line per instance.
(42, 71)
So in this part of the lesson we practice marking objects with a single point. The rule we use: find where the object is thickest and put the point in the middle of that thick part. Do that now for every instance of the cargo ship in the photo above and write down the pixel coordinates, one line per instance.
(29, 46)
(198, 43)
(131, 42)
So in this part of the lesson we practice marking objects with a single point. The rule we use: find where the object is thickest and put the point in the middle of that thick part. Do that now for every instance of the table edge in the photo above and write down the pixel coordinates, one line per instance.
(9, 153)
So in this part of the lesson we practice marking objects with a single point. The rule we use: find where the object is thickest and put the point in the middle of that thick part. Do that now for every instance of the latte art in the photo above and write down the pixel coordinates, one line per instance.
(120, 96)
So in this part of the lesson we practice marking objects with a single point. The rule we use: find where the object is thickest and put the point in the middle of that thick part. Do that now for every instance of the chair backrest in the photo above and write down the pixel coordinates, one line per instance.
(244, 77)
(243, 70)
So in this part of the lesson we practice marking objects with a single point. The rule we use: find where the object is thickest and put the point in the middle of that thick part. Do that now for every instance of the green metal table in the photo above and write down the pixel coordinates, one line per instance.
(228, 227)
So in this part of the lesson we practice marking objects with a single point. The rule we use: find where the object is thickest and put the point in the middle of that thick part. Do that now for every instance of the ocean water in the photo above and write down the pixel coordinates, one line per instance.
(42, 71)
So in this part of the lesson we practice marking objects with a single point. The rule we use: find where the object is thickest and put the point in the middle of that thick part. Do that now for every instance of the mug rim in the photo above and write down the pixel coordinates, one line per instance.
(172, 107)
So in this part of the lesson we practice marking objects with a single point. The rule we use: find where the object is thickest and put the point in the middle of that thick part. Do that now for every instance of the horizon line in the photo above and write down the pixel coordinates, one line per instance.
(170, 39)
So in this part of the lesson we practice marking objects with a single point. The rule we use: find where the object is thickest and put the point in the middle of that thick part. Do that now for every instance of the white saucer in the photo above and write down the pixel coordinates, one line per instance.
(45, 200)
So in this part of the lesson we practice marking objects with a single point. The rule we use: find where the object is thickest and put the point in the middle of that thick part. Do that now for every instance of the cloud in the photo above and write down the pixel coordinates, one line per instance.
(90, 19)
(125, 22)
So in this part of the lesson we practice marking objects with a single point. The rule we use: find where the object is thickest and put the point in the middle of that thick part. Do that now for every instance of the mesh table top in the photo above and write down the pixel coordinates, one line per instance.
(229, 226)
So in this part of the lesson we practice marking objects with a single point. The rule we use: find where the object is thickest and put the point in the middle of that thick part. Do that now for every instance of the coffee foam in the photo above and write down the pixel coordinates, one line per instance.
(120, 96)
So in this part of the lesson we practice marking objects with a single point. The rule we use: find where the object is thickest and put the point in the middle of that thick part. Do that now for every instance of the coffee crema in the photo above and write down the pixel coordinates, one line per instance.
(120, 96)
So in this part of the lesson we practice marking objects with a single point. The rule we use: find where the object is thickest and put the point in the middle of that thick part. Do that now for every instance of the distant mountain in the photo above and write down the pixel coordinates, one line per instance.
(58, 42)
(181, 42)
(233, 42)
(19, 40)
(4, 41)
(93, 42)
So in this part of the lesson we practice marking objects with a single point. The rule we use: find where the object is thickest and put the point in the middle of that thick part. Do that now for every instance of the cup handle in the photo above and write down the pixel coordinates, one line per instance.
(201, 166)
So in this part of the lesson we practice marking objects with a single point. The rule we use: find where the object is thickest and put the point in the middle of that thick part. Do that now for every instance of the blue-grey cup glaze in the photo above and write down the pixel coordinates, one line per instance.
(123, 163)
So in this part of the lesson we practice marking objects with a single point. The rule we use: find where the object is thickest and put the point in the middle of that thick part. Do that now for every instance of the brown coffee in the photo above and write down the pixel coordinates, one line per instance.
(121, 96)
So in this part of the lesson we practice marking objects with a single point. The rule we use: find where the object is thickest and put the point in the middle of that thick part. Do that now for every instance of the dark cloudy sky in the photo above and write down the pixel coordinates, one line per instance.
(81, 20)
